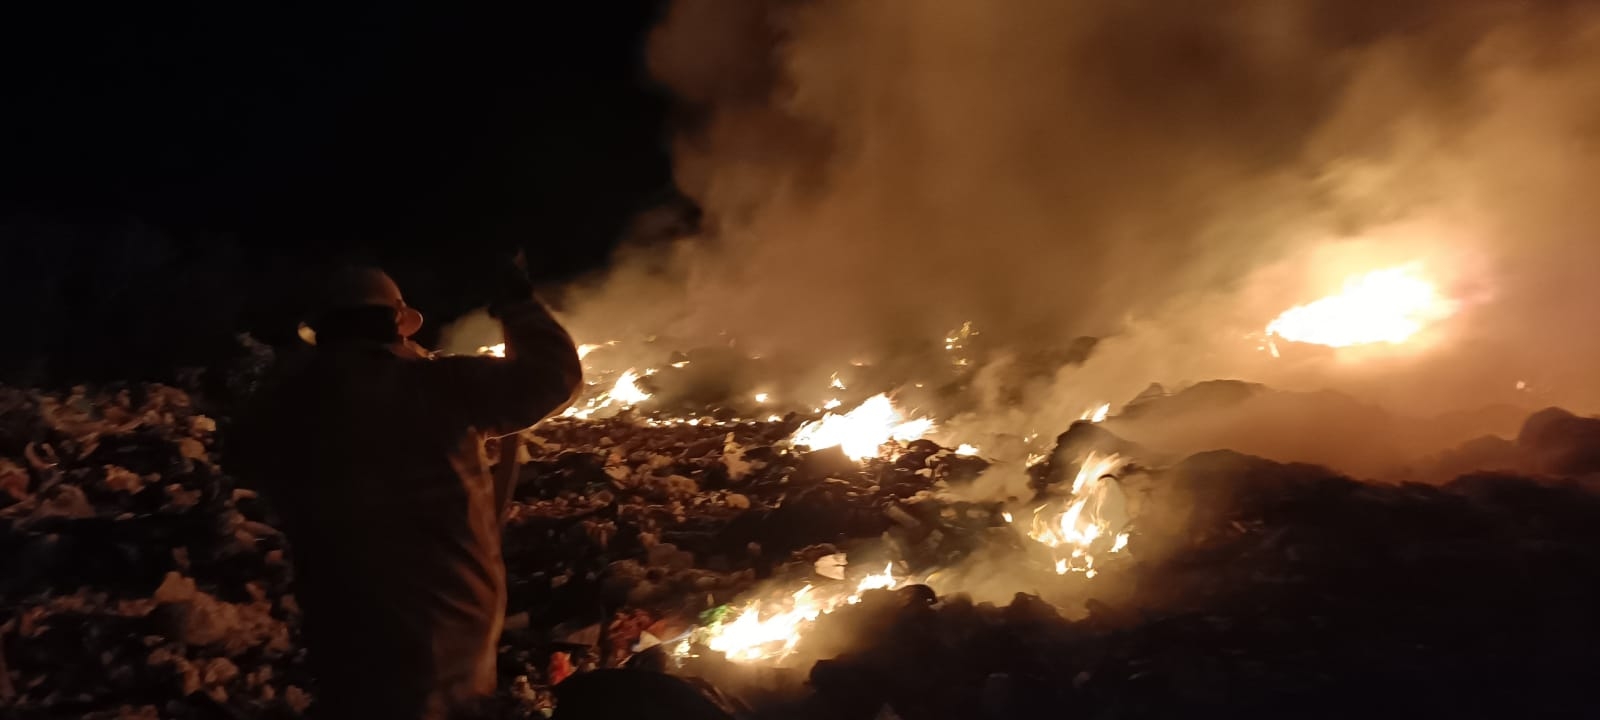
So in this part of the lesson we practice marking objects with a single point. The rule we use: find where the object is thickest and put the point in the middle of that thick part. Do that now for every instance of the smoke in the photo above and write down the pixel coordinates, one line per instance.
(1167, 176)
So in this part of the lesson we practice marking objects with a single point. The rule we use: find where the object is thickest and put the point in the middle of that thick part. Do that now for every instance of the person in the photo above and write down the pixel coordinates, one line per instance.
(373, 453)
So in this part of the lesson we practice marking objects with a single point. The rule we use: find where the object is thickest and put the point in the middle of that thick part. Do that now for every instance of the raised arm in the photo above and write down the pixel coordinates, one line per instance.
(540, 374)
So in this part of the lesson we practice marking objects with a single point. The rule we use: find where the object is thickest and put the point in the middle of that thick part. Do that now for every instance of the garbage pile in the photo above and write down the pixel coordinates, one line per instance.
(1255, 589)
(147, 585)
(1263, 590)
(624, 530)
(142, 582)
(139, 581)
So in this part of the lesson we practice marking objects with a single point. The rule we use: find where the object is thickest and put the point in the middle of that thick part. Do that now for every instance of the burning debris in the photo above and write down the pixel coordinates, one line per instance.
(1097, 414)
(766, 634)
(730, 550)
(1383, 306)
(624, 393)
(1094, 518)
(864, 430)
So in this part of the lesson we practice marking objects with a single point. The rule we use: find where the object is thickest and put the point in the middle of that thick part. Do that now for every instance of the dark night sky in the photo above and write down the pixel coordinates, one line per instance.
(247, 138)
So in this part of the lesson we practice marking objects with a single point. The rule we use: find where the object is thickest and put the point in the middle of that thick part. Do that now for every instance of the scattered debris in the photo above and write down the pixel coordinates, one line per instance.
(147, 585)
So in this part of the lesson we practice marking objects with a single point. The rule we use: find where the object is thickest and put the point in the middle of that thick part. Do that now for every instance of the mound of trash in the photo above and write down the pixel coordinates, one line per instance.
(648, 555)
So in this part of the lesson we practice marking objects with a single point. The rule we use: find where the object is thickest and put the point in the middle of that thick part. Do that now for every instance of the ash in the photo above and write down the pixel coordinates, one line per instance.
(142, 582)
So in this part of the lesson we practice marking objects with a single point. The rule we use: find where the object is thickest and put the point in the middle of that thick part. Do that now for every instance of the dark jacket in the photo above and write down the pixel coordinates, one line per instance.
(374, 456)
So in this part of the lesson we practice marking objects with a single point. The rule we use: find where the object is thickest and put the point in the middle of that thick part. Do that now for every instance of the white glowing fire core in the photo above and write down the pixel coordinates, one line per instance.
(753, 636)
(625, 392)
(1383, 306)
(862, 431)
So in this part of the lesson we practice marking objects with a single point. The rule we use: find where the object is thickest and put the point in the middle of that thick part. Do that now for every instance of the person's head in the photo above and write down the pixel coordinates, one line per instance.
(361, 303)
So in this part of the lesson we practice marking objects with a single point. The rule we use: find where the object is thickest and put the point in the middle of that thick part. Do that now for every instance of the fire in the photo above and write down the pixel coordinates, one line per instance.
(862, 431)
(499, 349)
(966, 449)
(1097, 414)
(1383, 306)
(754, 636)
(957, 340)
(624, 392)
(1092, 512)
(627, 389)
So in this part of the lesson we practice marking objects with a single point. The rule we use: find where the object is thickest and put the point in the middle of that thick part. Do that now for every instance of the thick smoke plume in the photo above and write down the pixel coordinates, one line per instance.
(1166, 176)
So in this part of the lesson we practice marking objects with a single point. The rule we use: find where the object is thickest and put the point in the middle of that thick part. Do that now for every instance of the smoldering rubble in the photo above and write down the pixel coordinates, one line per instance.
(147, 584)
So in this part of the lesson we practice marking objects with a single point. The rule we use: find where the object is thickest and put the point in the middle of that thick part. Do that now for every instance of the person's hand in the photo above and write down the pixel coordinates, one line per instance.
(510, 284)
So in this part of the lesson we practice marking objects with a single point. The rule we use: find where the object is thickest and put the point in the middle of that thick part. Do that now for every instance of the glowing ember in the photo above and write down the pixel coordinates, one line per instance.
(755, 636)
(958, 337)
(1095, 508)
(1096, 414)
(1383, 306)
(863, 430)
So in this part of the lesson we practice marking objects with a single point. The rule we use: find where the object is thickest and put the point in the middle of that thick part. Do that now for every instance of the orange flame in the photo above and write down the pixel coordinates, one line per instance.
(1080, 528)
(1382, 306)
(756, 636)
(862, 431)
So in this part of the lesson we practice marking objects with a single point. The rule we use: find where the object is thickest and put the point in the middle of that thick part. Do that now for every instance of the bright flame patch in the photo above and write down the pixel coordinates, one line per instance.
(755, 636)
(625, 392)
(499, 349)
(1383, 306)
(1096, 414)
(863, 430)
(1083, 524)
